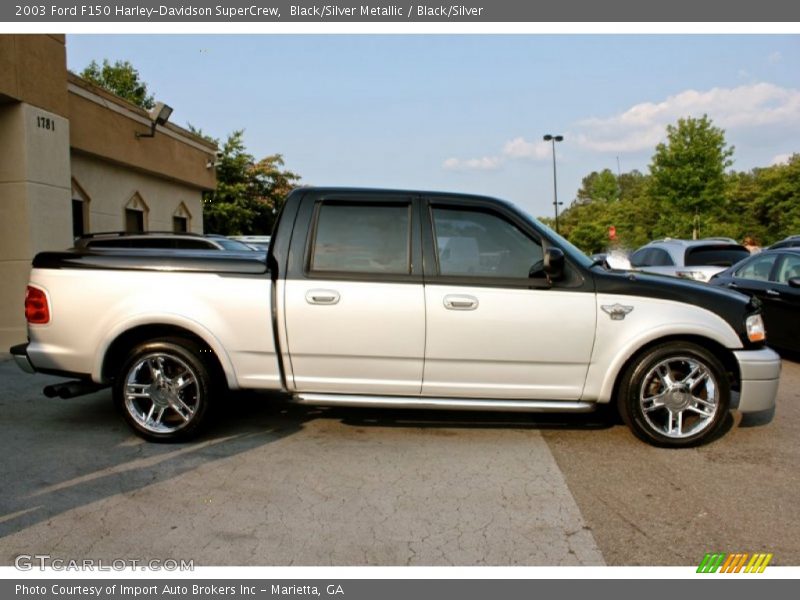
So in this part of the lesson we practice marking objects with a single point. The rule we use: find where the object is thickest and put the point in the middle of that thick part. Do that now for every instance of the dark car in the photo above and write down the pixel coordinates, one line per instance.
(160, 239)
(793, 241)
(773, 276)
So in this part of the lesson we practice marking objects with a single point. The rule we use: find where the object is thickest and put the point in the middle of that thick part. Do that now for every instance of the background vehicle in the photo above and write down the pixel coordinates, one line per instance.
(399, 299)
(690, 259)
(793, 241)
(772, 276)
(256, 242)
(159, 239)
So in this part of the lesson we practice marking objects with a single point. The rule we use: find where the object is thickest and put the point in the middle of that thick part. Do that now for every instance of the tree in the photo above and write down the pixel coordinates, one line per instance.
(249, 194)
(688, 176)
(120, 79)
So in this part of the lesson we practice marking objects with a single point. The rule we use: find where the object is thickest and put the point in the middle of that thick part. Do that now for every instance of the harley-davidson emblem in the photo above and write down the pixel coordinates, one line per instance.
(617, 312)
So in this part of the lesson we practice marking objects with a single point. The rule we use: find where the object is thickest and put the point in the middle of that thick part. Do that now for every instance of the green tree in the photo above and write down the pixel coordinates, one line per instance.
(688, 180)
(249, 193)
(120, 79)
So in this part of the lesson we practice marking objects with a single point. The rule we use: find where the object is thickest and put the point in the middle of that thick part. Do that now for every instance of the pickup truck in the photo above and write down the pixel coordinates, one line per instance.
(384, 298)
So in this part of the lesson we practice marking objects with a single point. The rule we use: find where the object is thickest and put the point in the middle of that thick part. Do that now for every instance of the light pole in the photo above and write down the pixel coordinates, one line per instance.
(553, 139)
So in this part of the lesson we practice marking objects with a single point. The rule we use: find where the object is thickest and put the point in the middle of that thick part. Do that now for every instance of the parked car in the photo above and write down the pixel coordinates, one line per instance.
(398, 299)
(793, 241)
(772, 276)
(690, 259)
(256, 242)
(159, 239)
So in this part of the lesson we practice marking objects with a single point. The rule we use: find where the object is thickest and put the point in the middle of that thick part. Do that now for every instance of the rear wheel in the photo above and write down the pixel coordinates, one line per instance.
(163, 389)
(675, 395)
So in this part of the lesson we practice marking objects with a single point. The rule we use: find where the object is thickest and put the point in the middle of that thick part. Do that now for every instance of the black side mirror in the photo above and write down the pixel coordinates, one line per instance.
(554, 263)
(794, 282)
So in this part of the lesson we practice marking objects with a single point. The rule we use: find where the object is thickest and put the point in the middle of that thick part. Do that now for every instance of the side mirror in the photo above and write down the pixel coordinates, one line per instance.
(794, 282)
(554, 263)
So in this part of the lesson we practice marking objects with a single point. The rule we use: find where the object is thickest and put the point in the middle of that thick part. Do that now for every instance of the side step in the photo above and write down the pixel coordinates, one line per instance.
(314, 399)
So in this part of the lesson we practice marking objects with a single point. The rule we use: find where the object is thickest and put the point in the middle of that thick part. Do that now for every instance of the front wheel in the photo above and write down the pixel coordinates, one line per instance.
(675, 395)
(163, 389)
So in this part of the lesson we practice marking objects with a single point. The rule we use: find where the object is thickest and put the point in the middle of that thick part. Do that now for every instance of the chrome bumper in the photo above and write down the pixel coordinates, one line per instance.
(760, 371)
(20, 355)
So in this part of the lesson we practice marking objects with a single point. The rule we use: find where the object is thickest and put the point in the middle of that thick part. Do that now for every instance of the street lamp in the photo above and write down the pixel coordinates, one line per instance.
(553, 139)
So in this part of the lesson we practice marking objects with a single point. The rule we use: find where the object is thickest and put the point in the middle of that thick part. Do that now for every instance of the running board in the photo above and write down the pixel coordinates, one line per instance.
(443, 403)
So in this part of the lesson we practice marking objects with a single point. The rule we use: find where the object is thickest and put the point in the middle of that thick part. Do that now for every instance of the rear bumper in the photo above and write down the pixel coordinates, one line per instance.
(20, 355)
(760, 372)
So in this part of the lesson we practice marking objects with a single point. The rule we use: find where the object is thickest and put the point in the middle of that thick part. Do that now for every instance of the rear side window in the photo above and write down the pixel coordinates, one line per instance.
(362, 238)
(716, 255)
(651, 257)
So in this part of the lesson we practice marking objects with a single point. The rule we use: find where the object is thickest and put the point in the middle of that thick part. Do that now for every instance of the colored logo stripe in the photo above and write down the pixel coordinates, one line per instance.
(733, 563)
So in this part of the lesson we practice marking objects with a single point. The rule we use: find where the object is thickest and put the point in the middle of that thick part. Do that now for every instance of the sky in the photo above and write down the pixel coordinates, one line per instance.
(466, 113)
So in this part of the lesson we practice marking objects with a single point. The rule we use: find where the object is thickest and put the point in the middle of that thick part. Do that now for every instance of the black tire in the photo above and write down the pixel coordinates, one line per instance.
(675, 395)
(164, 389)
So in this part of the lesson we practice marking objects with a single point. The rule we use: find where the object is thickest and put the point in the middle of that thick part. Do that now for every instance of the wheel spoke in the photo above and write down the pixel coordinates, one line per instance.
(674, 422)
(665, 375)
(137, 390)
(700, 411)
(184, 381)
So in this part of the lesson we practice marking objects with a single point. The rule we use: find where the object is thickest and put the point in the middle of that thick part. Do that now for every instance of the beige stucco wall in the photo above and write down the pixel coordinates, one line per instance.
(110, 187)
(34, 203)
(56, 128)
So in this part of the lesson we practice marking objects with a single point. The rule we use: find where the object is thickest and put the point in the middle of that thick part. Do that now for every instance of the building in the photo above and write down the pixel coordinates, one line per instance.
(71, 163)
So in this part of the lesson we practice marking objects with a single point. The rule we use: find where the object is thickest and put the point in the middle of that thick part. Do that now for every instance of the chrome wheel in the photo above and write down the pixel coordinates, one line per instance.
(679, 397)
(162, 393)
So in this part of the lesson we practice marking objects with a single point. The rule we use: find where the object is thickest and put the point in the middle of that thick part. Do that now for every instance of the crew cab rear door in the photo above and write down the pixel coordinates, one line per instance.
(353, 296)
(493, 331)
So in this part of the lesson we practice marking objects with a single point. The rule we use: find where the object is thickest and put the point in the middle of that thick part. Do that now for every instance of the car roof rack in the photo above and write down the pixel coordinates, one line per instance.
(132, 233)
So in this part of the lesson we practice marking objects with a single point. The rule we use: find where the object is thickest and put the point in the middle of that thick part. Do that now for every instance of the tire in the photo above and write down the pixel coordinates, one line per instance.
(164, 389)
(675, 395)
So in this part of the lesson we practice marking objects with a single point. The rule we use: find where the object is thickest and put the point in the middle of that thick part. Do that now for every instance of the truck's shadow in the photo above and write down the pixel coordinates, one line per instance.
(62, 455)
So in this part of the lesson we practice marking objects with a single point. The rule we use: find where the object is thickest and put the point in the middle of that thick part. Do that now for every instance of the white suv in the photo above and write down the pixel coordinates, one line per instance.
(691, 259)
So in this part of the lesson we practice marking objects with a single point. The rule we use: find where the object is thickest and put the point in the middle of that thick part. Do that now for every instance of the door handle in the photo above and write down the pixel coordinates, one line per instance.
(322, 296)
(733, 285)
(773, 293)
(453, 302)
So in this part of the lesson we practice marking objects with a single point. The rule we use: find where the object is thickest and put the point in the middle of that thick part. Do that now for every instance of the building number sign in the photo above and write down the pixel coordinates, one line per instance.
(46, 123)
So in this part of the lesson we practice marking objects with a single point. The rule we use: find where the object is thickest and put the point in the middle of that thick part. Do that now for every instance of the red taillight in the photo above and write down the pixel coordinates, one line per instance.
(37, 310)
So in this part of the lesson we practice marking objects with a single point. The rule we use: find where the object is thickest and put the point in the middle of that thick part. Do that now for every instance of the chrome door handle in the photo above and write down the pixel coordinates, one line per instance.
(773, 293)
(454, 302)
(322, 296)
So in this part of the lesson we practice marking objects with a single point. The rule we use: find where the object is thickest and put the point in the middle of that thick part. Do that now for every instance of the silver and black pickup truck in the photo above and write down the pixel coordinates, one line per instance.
(386, 298)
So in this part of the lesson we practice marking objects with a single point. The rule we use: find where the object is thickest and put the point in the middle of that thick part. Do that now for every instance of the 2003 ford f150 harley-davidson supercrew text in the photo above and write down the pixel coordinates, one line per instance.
(396, 299)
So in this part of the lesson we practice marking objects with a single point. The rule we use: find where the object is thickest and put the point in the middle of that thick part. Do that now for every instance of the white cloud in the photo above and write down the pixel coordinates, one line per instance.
(775, 58)
(644, 125)
(781, 159)
(485, 163)
(518, 148)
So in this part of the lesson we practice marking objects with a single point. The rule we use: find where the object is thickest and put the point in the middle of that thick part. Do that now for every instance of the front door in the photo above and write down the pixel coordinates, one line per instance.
(492, 330)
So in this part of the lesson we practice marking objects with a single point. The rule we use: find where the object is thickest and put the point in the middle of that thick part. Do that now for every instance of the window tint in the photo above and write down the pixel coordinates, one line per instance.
(715, 255)
(659, 258)
(639, 258)
(482, 244)
(363, 238)
(789, 268)
(757, 269)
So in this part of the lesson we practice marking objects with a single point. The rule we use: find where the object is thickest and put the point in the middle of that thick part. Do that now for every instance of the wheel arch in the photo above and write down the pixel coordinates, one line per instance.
(723, 354)
(111, 357)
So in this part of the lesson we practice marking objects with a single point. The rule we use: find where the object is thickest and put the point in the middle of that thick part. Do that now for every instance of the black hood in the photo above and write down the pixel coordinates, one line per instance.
(728, 304)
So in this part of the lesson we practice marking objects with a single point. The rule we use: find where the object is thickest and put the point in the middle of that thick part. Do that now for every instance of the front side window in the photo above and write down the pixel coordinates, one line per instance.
(362, 238)
(476, 243)
(789, 269)
(757, 269)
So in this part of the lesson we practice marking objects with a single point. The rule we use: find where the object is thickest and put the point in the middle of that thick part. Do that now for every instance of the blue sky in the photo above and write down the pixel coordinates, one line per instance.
(467, 112)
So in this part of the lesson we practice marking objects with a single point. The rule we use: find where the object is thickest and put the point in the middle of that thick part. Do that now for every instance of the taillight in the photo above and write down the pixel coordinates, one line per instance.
(37, 310)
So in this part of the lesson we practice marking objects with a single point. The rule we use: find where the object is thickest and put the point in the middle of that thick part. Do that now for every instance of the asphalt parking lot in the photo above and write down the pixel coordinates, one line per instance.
(278, 484)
